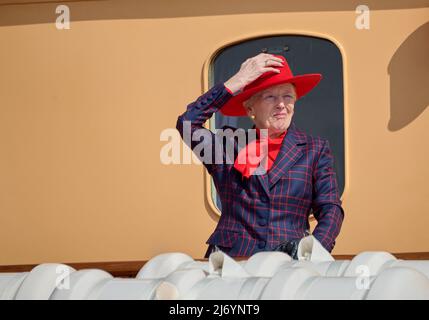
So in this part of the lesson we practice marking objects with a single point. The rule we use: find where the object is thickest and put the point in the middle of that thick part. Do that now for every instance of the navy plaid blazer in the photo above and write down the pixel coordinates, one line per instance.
(262, 211)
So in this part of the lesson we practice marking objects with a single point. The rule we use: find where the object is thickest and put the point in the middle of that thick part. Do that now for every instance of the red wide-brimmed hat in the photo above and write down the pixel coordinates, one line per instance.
(303, 84)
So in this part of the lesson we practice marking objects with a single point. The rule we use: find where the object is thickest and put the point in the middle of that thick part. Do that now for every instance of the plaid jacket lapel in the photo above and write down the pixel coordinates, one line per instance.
(263, 179)
(289, 153)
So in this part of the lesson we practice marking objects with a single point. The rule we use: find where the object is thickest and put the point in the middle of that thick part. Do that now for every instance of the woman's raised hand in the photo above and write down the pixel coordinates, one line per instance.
(251, 69)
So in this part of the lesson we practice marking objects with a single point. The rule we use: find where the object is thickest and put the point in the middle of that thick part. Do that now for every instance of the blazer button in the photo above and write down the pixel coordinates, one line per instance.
(264, 199)
(261, 244)
(262, 222)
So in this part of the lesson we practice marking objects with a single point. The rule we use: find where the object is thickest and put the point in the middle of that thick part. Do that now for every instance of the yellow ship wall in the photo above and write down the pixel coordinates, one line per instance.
(82, 110)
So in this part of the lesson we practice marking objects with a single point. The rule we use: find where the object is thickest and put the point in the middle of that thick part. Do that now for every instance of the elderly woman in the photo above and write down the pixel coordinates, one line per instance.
(269, 209)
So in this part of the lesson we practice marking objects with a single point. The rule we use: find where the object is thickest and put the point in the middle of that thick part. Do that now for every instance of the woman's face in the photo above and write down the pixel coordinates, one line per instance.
(273, 108)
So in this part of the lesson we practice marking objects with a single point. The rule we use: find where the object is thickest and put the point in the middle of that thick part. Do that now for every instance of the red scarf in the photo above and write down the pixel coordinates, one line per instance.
(253, 150)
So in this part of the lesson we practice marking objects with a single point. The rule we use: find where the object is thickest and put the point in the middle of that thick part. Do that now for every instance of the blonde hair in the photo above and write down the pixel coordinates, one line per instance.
(251, 101)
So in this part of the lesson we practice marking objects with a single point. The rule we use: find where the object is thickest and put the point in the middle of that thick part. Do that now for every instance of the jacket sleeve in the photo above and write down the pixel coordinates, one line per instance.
(326, 202)
(190, 126)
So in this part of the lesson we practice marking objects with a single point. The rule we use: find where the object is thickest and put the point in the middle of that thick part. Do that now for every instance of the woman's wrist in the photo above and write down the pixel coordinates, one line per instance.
(233, 85)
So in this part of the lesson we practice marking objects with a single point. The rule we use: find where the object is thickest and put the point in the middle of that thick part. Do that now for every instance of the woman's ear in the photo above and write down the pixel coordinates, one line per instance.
(250, 111)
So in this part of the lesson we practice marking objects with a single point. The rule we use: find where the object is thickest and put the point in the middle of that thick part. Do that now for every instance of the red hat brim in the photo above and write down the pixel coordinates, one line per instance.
(303, 84)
